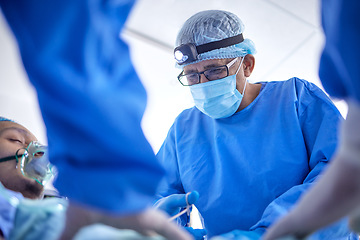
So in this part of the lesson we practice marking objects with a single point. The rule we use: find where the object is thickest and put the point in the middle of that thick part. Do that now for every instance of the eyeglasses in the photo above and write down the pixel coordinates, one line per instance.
(211, 74)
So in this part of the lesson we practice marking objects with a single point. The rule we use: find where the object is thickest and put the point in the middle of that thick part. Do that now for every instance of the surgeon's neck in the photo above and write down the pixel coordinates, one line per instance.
(251, 92)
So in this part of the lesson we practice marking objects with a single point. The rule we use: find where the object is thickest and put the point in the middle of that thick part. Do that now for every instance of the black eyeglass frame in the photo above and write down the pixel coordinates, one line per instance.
(227, 66)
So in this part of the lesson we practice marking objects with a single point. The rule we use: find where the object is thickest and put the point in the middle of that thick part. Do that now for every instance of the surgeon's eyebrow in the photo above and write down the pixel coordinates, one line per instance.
(213, 66)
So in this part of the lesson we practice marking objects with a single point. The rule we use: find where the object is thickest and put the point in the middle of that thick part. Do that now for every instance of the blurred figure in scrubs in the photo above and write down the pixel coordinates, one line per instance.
(92, 103)
(250, 150)
(337, 193)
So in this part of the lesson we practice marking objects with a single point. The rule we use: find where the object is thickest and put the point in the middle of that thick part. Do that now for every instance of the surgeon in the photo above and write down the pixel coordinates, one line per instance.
(337, 193)
(92, 103)
(249, 150)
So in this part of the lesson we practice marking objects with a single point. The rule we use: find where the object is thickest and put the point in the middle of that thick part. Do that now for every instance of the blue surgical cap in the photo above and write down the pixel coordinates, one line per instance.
(214, 25)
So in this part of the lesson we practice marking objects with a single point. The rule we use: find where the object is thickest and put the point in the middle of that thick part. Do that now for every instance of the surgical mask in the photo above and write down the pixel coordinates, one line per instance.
(33, 162)
(218, 98)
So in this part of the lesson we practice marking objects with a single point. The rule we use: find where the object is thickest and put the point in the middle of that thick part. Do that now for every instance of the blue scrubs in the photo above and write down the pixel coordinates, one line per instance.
(339, 66)
(91, 99)
(251, 167)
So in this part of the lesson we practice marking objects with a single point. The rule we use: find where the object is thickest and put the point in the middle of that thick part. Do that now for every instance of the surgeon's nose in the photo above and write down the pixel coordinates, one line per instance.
(203, 79)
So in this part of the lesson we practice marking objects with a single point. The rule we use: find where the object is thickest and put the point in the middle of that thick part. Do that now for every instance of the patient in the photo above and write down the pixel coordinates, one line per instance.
(31, 217)
(13, 136)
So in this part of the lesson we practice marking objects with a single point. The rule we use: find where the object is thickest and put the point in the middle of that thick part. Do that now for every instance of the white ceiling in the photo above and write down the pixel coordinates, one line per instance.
(287, 35)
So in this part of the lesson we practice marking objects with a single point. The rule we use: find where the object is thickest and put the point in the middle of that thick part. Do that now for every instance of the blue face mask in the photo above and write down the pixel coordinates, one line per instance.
(218, 98)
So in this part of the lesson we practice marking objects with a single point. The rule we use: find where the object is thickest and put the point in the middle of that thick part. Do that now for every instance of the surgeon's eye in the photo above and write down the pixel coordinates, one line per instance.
(192, 78)
(216, 73)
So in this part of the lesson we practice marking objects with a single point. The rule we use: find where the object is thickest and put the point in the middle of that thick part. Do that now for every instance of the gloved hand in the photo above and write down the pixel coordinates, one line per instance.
(198, 234)
(173, 203)
(238, 235)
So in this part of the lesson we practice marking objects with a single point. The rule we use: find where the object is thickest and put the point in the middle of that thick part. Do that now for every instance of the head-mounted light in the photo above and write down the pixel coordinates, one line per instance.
(185, 53)
(189, 52)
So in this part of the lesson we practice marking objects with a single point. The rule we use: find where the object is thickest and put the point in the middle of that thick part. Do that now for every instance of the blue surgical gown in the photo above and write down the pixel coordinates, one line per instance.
(91, 99)
(250, 168)
(339, 65)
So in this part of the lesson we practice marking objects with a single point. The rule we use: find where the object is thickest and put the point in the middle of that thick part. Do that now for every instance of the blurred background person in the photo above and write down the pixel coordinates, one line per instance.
(92, 104)
(337, 193)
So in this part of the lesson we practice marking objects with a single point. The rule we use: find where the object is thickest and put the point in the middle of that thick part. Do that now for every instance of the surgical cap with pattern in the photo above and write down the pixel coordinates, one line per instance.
(214, 25)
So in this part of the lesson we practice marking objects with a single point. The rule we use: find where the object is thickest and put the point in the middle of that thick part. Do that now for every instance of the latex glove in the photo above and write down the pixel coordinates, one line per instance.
(173, 203)
(238, 235)
(198, 234)
(149, 222)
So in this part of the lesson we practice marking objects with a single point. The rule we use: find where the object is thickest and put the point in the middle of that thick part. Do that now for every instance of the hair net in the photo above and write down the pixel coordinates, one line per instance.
(213, 25)
(2, 119)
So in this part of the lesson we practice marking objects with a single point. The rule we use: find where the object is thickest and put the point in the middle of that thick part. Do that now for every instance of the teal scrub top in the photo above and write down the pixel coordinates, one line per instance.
(339, 65)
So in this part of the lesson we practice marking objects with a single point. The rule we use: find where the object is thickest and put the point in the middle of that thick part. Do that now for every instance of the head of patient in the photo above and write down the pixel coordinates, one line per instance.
(13, 137)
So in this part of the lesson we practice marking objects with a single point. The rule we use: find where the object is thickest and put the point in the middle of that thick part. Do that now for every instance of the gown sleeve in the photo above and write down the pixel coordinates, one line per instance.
(91, 100)
(339, 65)
(171, 183)
(319, 122)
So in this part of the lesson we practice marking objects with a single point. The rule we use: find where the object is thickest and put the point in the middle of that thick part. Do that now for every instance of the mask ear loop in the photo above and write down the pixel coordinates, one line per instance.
(14, 157)
(5, 159)
(242, 60)
(243, 93)
(186, 210)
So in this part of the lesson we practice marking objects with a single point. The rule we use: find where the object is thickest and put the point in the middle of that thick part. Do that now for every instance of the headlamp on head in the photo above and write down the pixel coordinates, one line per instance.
(186, 53)
(189, 52)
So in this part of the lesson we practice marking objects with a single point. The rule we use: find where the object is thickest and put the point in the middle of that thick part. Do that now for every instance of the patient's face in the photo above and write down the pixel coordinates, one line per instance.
(13, 137)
